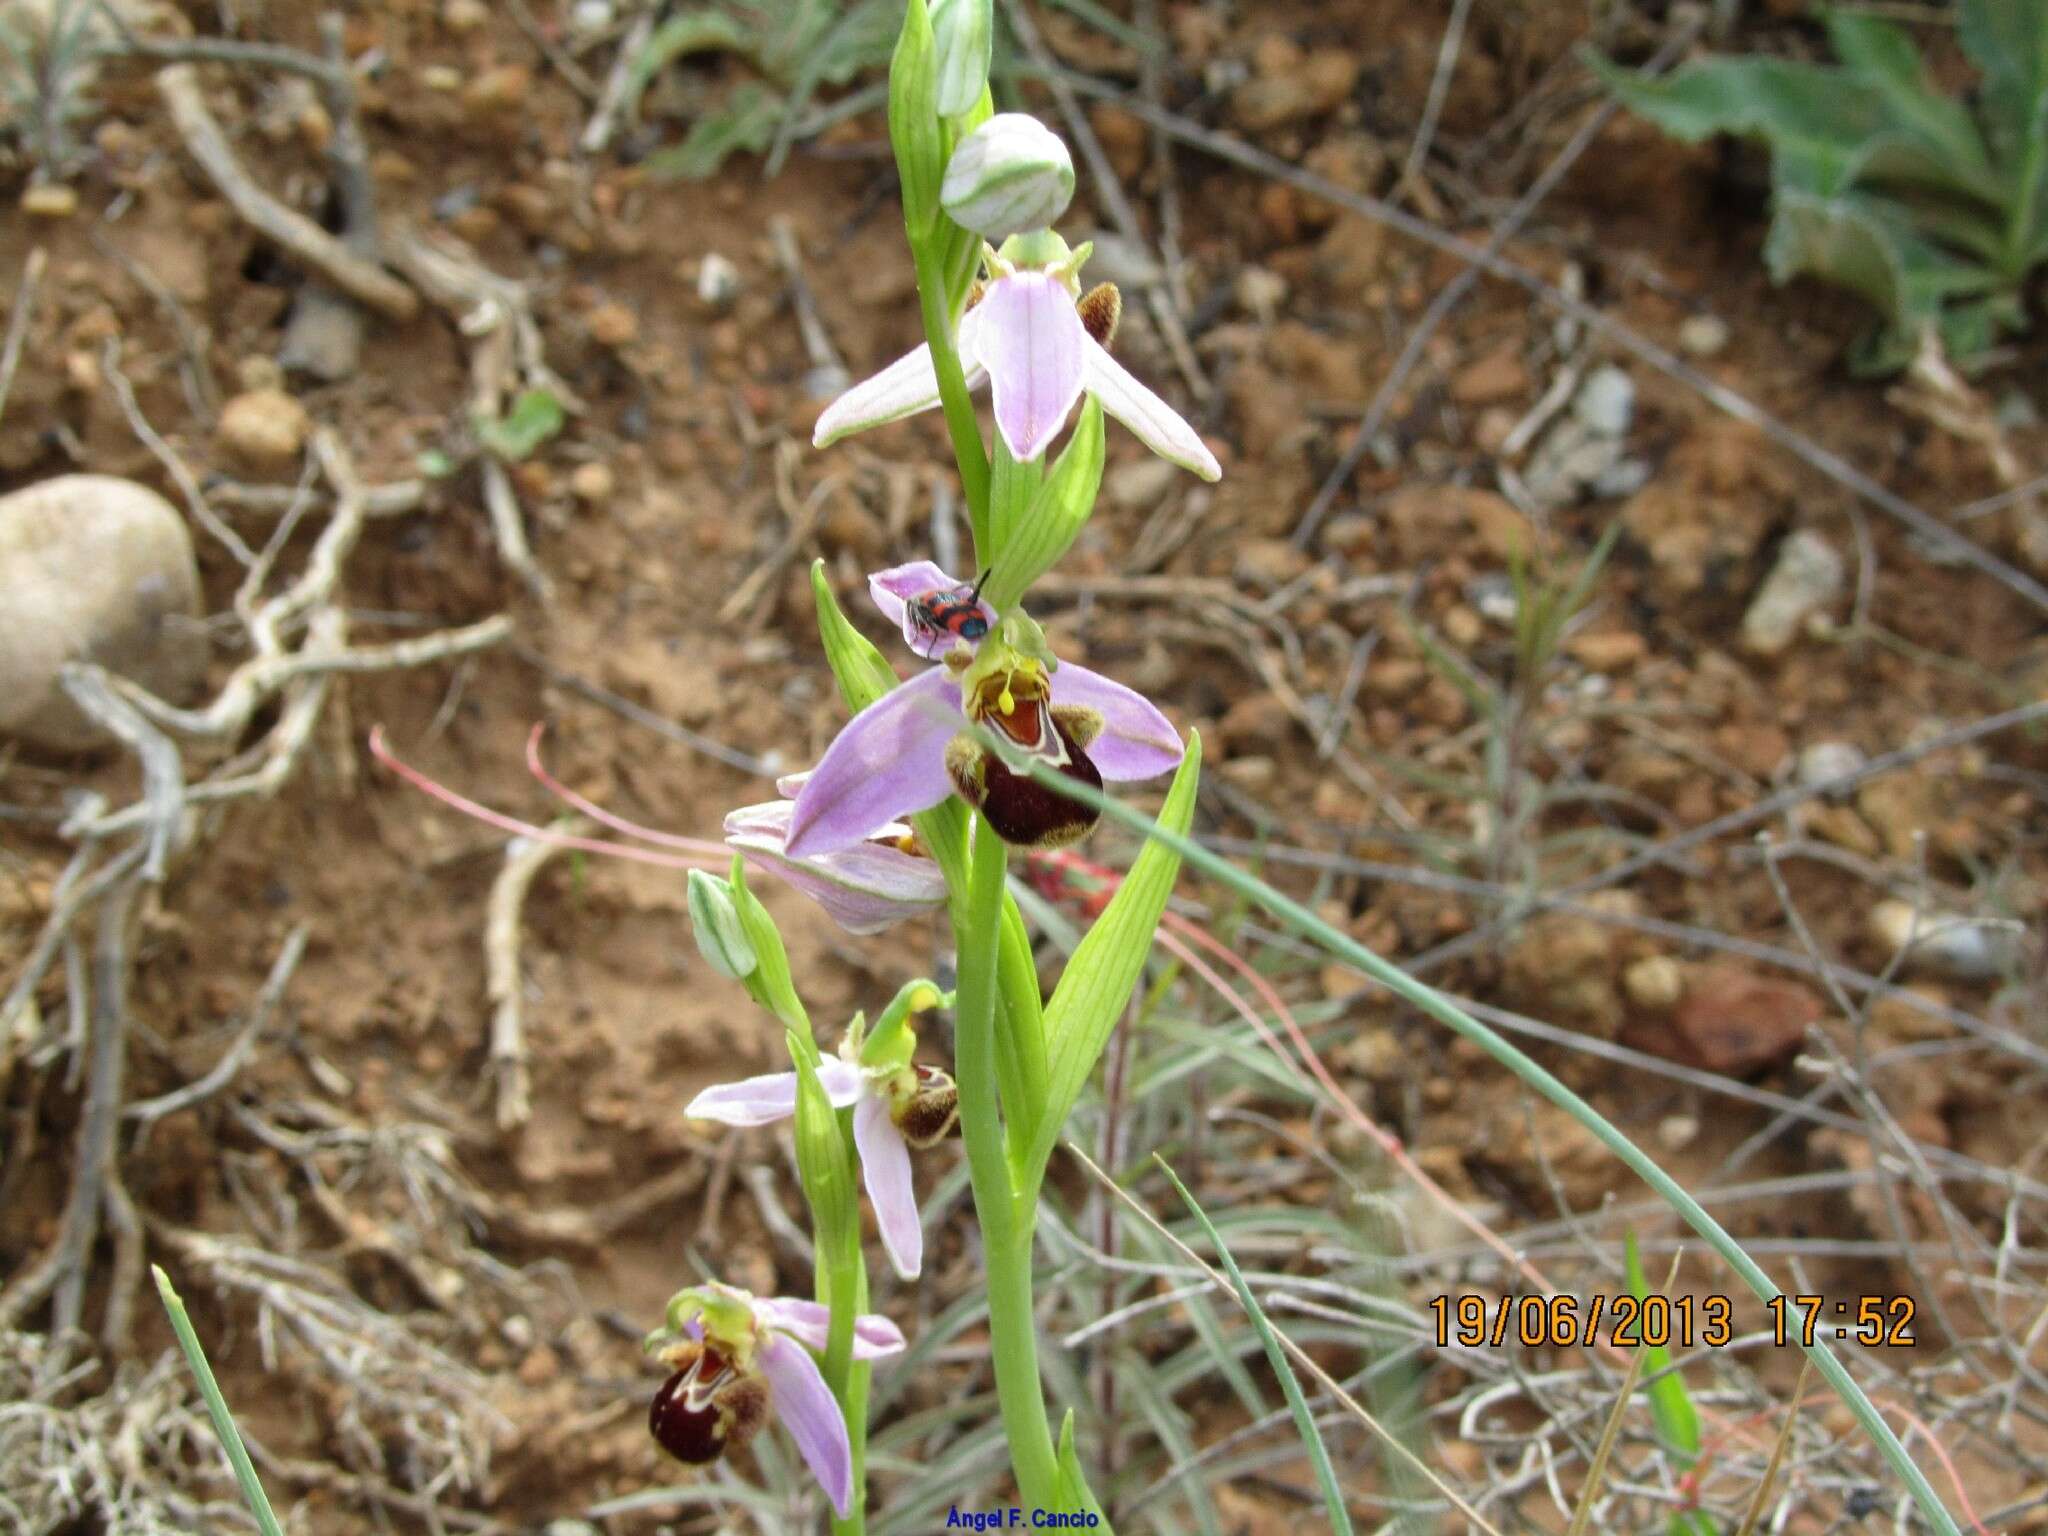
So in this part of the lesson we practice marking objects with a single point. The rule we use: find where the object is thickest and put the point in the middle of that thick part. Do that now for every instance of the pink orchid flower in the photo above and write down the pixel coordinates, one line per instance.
(735, 1358)
(1039, 352)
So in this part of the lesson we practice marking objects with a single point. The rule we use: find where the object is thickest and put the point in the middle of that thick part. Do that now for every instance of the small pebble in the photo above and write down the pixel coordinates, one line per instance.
(1703, 335)
(613, 325)
(1656, 982)
(1806, 578)
(92, 568)
(1606, 402)
(1677, 1132)
(461, 16)
(50, 200)
(265, 428)
(1947, 943)
(1828, 760)
(718, 282)
(592, 483)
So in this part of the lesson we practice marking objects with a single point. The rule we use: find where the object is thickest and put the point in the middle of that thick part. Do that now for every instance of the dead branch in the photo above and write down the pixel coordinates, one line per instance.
(325, 334)
(510, 1081)
(284, 227)
(187, 483)
(61, 1272)
(149, 1111)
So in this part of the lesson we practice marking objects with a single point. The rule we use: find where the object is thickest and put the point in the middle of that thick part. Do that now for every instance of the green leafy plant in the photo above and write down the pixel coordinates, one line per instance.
(1678, 1421)
(1933, 212)
(534, 417)
(794, 45)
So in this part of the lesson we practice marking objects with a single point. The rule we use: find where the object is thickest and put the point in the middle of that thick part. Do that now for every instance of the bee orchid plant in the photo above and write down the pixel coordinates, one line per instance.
(915, 806)
(918, 801)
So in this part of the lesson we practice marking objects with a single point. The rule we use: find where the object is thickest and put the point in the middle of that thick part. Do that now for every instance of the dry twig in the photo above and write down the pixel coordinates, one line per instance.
(510, 1081)
(285, 227)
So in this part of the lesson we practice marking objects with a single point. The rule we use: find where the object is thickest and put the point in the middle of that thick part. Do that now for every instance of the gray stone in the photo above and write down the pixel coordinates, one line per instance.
(1806, 578)
(92, 569)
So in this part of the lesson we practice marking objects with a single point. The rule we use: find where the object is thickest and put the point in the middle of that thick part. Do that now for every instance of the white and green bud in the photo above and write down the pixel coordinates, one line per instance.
(965, 32)
(1010, 175)
(721, 938)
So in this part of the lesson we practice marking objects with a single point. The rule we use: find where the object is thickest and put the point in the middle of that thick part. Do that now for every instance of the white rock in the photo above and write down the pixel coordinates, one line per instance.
(1606, 402)
(1826, 760)
(91, 569)
(1806, 578)
(1949, 943)
(718, 281)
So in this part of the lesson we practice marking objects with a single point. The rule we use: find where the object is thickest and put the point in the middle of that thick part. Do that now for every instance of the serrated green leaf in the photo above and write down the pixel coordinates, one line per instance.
(535, 417)
(746, 122)
(1883, 57)
(1105, 968)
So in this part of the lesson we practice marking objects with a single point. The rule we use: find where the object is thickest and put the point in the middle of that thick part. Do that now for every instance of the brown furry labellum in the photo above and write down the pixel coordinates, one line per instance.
(708, 1407)
(1024, 812)
(928, 1114)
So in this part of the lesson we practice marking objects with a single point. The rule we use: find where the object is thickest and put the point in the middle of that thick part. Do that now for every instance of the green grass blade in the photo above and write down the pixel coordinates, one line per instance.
(1420, 995)
(217, 1408)
(1304, 1421)
(1678, 1422)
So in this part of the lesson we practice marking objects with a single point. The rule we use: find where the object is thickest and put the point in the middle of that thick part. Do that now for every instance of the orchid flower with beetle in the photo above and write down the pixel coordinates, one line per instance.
(908, 751)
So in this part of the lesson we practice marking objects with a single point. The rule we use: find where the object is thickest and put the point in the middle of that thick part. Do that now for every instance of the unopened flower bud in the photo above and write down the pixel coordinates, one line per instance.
(965, 31)
(721, 937)
(1010, 175)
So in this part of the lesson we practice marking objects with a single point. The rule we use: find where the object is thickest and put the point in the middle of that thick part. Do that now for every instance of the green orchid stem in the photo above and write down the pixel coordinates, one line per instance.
(843, 1286)
(1445, 1012)
(953, 397)
(1007, 1223)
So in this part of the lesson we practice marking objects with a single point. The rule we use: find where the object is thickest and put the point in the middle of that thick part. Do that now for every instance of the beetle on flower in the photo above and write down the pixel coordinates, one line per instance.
(911, 748)
(734, 1358)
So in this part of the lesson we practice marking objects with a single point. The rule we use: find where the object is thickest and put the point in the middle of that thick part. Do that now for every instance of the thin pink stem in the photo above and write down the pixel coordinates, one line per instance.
(603, 817)
(512, 824)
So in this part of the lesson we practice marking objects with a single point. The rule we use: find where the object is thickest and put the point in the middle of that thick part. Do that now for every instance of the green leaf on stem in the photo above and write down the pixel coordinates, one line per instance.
(1043, 532)
(821, 1154)
(769, 983)
(862, 672)
(535, 417)
(1105, 968)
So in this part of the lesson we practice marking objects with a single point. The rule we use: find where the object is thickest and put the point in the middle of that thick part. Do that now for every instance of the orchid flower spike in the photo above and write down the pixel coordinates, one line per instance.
(1040, 344)
(897, 1104)
(910, 749)
(734, 1359)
